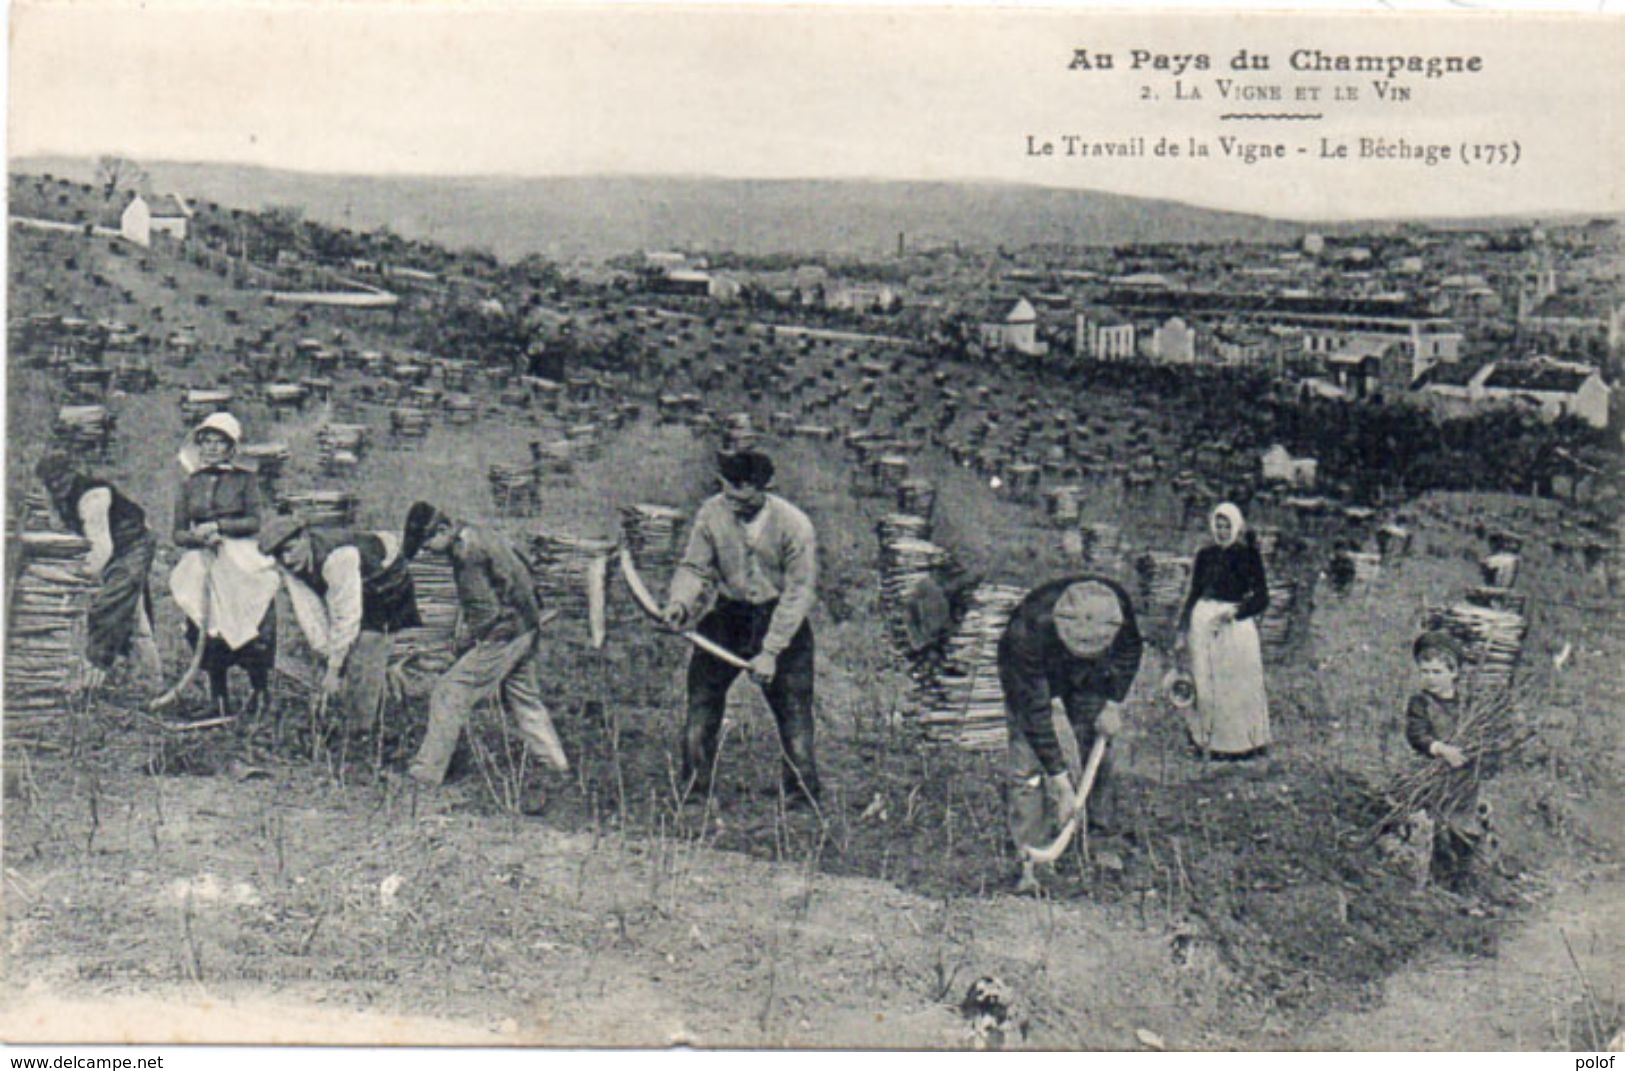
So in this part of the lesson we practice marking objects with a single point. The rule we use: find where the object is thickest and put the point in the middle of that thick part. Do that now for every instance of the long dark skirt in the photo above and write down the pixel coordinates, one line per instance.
(114, 611)
(256, 657)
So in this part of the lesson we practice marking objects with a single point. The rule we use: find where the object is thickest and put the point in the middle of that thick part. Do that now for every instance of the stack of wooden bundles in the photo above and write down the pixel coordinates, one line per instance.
(572, 572)
(513, 488)
(515, 397)
(895, 526)
(284, 397)
(44, 643)
(1163, 581)
(461, 409)
(340, 446)
(407, 422)
(318, 387)
(653, 535)
(1498, 599)
(197, 403)
(1064, 505)
(1024, 478)
(424, 397)
(133, 377)
(409, 373)
(1366, 565)
(1101, 548)
(555, 458)
(819, 432)
(904, 562)
(84, 430)
(1493, 638)
(87, 383)
(456, 375)
(268, 460)
(320, 507)
(890, 470)
(966, 702)
(586, 441)
(917, 497)
(436, 590)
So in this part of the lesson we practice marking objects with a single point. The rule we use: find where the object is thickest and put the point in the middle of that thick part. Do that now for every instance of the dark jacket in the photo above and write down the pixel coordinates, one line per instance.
(1229, 574)
(126, 521)
(1035, 666)
(1429, 720)
(388, 597)
(228, 495)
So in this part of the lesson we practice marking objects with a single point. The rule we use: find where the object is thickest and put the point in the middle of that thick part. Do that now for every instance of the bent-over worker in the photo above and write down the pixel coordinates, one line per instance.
(1073, 639)
(498, 631)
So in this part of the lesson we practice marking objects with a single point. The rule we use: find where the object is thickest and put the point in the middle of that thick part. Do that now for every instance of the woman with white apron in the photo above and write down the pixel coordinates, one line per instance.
(223, 584)
(1217, 625)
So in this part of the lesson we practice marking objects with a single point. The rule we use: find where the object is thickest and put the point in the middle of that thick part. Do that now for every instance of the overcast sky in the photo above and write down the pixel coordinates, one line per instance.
(790, 93)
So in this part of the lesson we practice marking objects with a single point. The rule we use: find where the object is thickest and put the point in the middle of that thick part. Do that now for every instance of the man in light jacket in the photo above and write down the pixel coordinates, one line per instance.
(749, 579)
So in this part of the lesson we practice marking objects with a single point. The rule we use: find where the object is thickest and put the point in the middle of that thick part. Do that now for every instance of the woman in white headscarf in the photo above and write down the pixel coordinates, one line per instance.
(1228, 591)
(222, 582)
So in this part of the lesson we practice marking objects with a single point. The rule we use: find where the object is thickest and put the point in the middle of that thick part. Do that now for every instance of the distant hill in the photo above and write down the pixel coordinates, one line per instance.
(599, 216)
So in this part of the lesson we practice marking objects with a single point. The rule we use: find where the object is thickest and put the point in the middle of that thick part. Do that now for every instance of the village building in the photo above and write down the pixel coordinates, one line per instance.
(1328, 324)
(1549, 387)
(1569, 317)
(1015, 331)
(1104, 335)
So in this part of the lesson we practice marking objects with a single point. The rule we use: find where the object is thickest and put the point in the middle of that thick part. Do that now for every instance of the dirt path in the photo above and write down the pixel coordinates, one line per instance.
(1528, 997)
(238, 916)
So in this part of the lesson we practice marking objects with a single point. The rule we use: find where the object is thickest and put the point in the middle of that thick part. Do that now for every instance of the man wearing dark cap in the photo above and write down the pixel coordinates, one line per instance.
(350, 590)
(1076, 640)
(499, 622)
(749, 579)
(121, 552)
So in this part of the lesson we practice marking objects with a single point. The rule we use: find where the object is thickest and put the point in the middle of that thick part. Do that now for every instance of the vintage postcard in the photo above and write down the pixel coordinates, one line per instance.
(813, 527)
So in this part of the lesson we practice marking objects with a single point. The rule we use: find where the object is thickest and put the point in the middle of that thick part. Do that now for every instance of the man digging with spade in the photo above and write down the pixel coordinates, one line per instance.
(1074, 639)
(749, 578)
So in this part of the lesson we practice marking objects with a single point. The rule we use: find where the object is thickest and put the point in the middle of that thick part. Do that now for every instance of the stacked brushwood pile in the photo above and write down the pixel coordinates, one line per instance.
(339, 447)
(1493, 639)
(905, 561)
(286, 397)
(1100, 548)
(917, 497)
(654, 535)
(408, 422)
(572, 573)
(199, 402)
(320, 507)
(1163, 581)
(964, 705)
(45, 637)
(419, 655)
(461, 409)
(134, 377)
(269, 460)
(86, 431)
(513, 488)
(87, 384)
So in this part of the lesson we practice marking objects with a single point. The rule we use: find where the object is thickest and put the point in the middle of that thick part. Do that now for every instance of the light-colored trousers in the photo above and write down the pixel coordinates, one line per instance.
(506, 667)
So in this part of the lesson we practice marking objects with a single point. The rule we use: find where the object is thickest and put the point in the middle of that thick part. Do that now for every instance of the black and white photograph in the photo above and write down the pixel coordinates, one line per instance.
(845, 527)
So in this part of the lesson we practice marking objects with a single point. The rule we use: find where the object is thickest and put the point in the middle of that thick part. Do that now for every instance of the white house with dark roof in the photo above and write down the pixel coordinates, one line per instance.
(1550, 387)
(166, 214)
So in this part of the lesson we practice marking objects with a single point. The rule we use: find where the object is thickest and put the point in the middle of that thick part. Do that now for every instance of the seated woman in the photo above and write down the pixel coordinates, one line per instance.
(223, 584)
